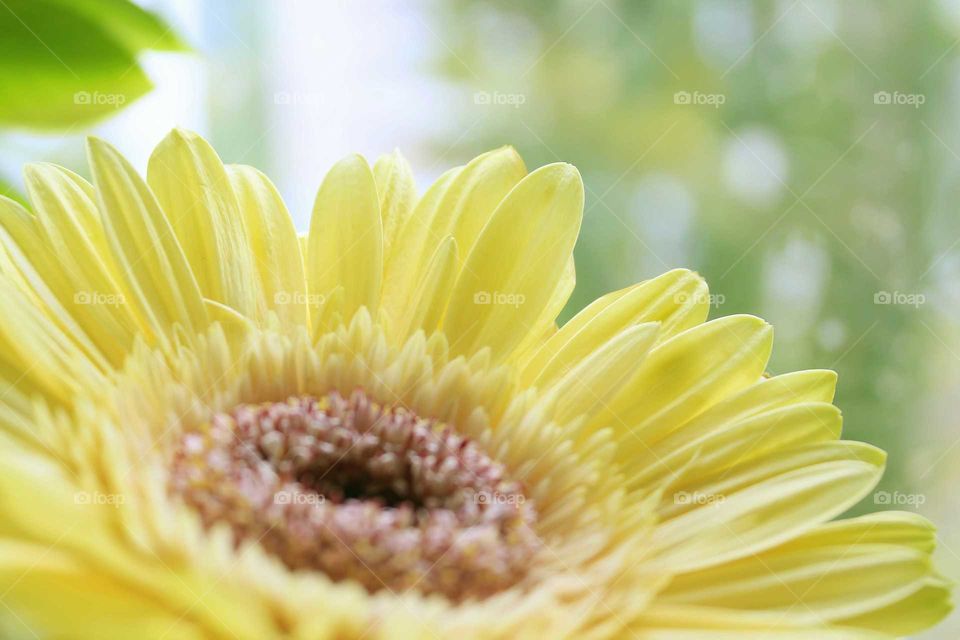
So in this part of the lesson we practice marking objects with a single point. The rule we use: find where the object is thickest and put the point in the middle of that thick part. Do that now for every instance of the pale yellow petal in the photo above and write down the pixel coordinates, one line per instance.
(75, 251)
(402, 268)
(346, 238)
(675, 621)
(675, 299)
(714, 446)
(510, 276)
(428, 305)
(544, 328)
(37, 351)
(765, 503)
(148, 256)
(195, 193)
(685, 376)
(273, 243)
(476, 193)
(398, 195)
(837, 571)
(590, 384)
(460, 204)
(921, 610)
(902, 528)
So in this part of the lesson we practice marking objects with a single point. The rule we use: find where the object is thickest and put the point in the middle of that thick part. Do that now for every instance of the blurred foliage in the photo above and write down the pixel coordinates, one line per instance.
(9, 192)
(798, 198)
(68, 63)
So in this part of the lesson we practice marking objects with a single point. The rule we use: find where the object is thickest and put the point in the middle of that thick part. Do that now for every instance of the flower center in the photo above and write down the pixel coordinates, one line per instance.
(360, 492)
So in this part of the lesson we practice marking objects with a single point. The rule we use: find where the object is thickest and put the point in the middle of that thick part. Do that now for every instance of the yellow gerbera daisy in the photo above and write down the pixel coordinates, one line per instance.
(214, 428)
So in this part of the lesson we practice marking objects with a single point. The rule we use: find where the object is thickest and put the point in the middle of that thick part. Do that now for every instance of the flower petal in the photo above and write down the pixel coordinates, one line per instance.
(840, 570)
(685, 376)
(402, 269)
(518, 260)
(398, 195)
(761, 504)
(668, 621)
(194, 191)
(144, 245)
(596, 378)
(346, 238)
(75, 249)
(673, 299)
(921, 610)
(273, 243)
(711, 447)
(428, 304)
(460, 204)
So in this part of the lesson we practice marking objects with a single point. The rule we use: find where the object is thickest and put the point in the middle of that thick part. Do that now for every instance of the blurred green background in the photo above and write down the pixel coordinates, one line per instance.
(801, 155)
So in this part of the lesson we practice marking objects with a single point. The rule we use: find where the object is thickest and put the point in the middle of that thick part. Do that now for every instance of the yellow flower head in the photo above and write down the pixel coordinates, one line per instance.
(214, 428)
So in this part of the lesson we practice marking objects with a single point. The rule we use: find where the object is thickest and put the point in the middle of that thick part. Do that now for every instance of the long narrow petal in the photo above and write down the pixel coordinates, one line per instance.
(144, 245)
(840, 570)
(546, 326)
(675, 300)
(510, 275)
(75, 247)
(398, 195)
(195, 193)
(685, 376)
(346, 237)
(673, 621)
(713, 447)
(762, 504)
(402, 272)
(600, 375)
(459, 204)
(428, 305)
(273, 243)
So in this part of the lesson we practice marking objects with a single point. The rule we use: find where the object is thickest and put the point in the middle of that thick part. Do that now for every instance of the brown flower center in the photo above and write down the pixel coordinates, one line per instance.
(360, 492)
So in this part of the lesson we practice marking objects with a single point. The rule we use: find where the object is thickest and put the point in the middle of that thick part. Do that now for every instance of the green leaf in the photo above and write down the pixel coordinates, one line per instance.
(132, 26)
(68, 64)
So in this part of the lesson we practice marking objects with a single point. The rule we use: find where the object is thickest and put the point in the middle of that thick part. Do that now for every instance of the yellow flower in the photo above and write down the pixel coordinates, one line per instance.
(214, 428)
